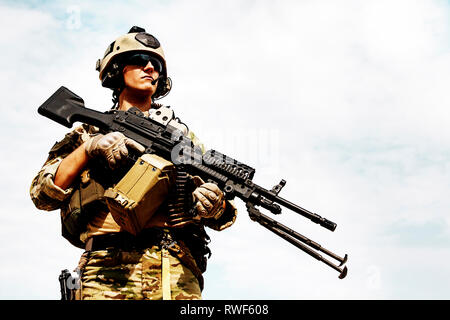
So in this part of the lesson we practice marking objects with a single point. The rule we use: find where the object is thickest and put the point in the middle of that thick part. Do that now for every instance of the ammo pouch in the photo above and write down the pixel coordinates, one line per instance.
(138, 195)
(85, 201)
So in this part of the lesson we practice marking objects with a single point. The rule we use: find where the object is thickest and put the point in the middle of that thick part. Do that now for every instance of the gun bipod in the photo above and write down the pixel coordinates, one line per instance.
(297, 239)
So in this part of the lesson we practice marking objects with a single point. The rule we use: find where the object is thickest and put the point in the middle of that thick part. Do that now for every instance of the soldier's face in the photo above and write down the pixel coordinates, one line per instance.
(140, 78)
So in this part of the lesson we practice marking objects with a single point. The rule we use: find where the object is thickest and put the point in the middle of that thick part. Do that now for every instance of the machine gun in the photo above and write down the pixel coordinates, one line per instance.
(233, 177)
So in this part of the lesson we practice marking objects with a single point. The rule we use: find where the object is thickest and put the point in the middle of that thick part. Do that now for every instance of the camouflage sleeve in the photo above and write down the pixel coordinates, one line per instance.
(230, 213)
(43, 191)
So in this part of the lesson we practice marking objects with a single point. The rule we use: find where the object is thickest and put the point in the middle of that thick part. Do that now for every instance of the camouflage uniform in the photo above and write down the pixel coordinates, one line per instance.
(123, 273)
(137, 274)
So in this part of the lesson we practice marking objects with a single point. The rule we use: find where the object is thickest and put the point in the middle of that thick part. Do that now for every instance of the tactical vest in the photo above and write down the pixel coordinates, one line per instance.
(88, 199)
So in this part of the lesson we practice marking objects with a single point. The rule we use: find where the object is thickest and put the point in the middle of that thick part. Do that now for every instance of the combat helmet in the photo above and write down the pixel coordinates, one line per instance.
(110, 67)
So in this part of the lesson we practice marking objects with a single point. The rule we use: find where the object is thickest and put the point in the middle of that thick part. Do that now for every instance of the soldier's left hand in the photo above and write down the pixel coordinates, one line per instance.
(209, 200)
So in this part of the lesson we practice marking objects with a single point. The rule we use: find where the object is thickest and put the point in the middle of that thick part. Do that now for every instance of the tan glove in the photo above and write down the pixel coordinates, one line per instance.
(113, 146)
(209, 199)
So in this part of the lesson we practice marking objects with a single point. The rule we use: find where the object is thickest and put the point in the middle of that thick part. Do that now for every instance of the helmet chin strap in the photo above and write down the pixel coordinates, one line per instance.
(163, 88)
(156, 80)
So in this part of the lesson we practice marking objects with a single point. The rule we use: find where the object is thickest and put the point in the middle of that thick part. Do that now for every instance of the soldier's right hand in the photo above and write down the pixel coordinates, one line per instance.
(112, 146)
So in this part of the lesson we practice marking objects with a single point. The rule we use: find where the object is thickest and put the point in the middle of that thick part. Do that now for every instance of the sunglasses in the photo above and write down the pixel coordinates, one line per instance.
(142, 59)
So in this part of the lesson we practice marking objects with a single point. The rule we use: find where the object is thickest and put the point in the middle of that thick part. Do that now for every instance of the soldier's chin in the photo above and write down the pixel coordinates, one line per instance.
(144, 89)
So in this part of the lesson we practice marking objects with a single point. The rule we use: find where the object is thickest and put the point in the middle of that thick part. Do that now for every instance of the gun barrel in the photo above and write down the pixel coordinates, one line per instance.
(314, 217)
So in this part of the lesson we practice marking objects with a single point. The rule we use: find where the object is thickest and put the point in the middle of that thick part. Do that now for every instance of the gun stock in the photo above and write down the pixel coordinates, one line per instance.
(66, 108)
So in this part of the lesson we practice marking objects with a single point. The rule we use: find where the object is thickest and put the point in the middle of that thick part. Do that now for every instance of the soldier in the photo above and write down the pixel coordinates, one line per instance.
(167, 258)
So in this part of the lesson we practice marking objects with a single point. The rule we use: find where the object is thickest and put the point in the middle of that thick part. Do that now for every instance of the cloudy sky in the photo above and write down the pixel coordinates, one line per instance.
(346, 100)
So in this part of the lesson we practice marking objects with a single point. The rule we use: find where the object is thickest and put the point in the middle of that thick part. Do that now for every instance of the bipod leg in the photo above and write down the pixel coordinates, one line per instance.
(296, 239)
(292, 233)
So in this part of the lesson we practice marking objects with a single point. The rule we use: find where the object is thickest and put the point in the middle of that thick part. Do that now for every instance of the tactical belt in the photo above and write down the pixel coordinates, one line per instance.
(126, 241)
(163, 238)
